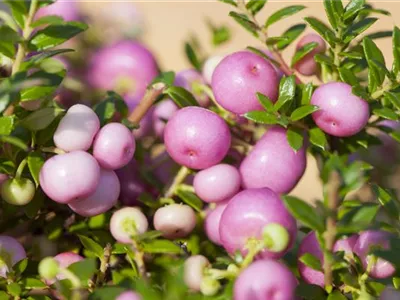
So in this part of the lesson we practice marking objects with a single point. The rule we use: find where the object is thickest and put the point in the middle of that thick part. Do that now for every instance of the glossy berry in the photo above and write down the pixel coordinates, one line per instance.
(11, 252)
(162, 113)
(64, 260)
(238, 78)
(175, 220)
(217, 183)
(77, 129)
(18, 191)
(368, 241)
(197, 138)
(209, 67)
(246, 216)
(188, 80)
(70, 176)
(102, 200)
(265, 279)
(66, 9)
(307, 65)
(127, 222)
(3, 178)
(341, 112)
(114, 146)
(131, 184)
(194, 271)
(212, 220)
(129, 295)
(273, 163)
(48, 268)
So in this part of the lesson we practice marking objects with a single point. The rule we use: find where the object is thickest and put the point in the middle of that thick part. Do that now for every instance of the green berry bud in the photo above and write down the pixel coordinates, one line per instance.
(48, 268)
(209, 286)
(276, 237)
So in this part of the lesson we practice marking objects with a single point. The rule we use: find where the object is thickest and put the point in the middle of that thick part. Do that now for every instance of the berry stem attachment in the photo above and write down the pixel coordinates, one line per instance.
(255, 246)
(52, 150)
(178, 179)
(139, 259)
(21, 168)
(105, 260)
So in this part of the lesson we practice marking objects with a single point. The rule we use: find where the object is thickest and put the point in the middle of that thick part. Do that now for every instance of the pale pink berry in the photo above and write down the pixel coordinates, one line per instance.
(212, 220)
(194, 270)
(209, 67)
(307, 65)
(162, 113)
(11, 252)
(64, 260)
(126, 223)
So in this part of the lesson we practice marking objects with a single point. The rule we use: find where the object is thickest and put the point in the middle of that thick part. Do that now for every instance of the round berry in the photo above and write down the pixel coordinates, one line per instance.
(276, 283)
(162, 113)
(3, 178)
(307, 65)
(129, 295)
(217, 183)
(131, 184)
(212, 220)
(246, 216)
(114, 146)
(197, 138)
(237, 79)
(188, 79)
(70, 176)
(64, 260)
(11, 252)
(66, 9)
(341, 112)
(194, 270)
(102, 200)
(175, 220)
(209, 67)
(273, 163)
(127, 222)
(48, 268)
(77, 129)
(18, 191)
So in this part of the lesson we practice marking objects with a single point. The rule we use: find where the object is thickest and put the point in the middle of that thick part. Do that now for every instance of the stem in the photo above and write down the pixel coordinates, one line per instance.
(138, 257)
(220, 274)
(104, 265)
(147, 101)
(21, 168)
(385, 88)
(239, 142)
(52, 150)
(330, 234)
(254, 246)
(178, 179)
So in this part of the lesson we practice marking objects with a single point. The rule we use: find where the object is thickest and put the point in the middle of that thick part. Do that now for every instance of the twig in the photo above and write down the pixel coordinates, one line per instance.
(178, 179)
(139, 259)
(105, 261)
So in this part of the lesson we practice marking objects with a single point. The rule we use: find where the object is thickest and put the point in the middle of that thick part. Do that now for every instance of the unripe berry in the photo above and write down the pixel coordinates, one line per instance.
(246, 216)
(277, 236)
(102, 200)
(307, 65)
(70, 176)
(18, 191)
(209, 286)
(367, 241)
(66, 9)
(341, 112)
(77, 129)
(273, 163)
(175, 220)
(265, 279)
(197, 138)
(209, 67)
(194, 271)
(212, 220)
(114, 146)
(238, 78)
(131, 184)
(162, 113)
(217, 183)
(48, 268)
(188, 80)
(11, 252)
(129, 295)
(127, 222)
(64, 260)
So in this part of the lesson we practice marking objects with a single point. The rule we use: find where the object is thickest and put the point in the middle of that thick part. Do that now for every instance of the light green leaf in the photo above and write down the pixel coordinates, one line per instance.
(287, 91)
(283, 13)
(254, 6)
(41, 118)
(303, 51)
(266, 102)
(303, 111)
(353, 8)
(91, 246)
(318, 138)
(291, 35)
(35, 163)
(295, 138)
(160, 246)
(6, 125)
(311, 261)
(262, 117)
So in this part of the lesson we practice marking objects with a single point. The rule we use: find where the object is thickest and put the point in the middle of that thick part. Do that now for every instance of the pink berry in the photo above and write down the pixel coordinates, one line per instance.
(265, 279)
(3, 177)
(307, 65)
(77, 129)
(273, 163)
(11, 252)
(102, 200)
(114, 146)
(127, 222)
(238, 78)
(209, 67)
(193, 271)
(66, 9)
(372, 239)
(341, 113)
(64, 260)
(131, 184)
(197, 138)
(175, 220)
(217, 183)
(212, 220)
(188, 80)
(129, 295)
(246, 216)
(70, 176)
(162, 113)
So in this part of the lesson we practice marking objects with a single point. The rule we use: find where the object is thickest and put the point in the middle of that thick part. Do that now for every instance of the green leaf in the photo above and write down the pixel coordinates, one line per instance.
(167, 78)
(19, 9)
(220, 35)
(149, 235)
(356, 29)
(353, 8)
(20, 266)
(396, 50)
(275, 40)
(311, 261)
(348, 76)
(35, 163)
(13, 141)
(287, 91)
(393, 98)
(306, 93)
(107, 293)
(32, 283)
(32, 208)
(361, 216)
(245, 22)
(291, 35)
(323, 59)
(310, 291)
(266, 102)
(323, 30)
(303, 51)
(303, 111)
(254, 6)
(181, 96)
(41, 118)
(47, 20)
(385, 113)
(107, 108)
(91, 246)
(380, 34)
(192, 57)
(84, 269)
(376, 76)
(295, 138)
(231, 2)
(43, 55)
(54, 35)
(336, 295)
(387, 200)
(261, 117)
(8, 38)
(283, 13)
(6, 125)
(190, 199)
(14, 289)
(263, 55)
(334, 11)
(160, 246)
(305, 213)
(352, 54)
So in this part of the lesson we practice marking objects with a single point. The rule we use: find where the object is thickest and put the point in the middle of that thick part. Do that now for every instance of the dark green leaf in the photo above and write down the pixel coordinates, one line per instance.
(160, 246)
(6, 125)
(35, 163)
(358, 28)
(295, 138)
(254, 6)
(368, 11)
(307, 93)
(190, 199)
(245, 22)
(305, 213)
(322, 29)
(8, 39)
(303, 51)
(352, 54)
(261, 117)
(32, 283)
(32, 208)
(323, 59)
(311, 261)
(275, 40)
(47, 20)
(380, 34)
(107, 293)
(167, 78)
(287, 90)
(336, 295)
(109, 107)
(396, 50)
(348, 76)
(310, 292)
(303, 111)
(385, 113)
(394, 99)
(283, 13)
(291, 34)
(231, 2)
(13, 141)
(263, 55)
(376, 76)
(39, 58)
(181, 96)
(84, 269)
(41, 118)
(266, 102)
(91, 246)
(361, 215)
(14, 289)
(334, 11)
(353, 8)
(192, 56)
(386, 199)
(20, 266)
